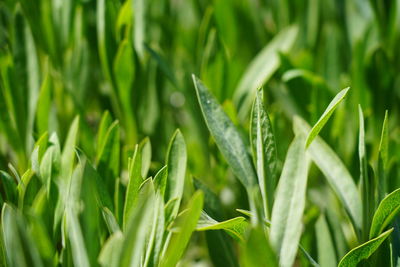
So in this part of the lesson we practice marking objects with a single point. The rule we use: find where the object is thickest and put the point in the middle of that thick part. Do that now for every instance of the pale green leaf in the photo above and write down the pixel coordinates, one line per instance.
(109, 255)
(75, 235)
(335, 172)
(325, 245)
(21, 251)
(287, 212)
(264, 152)
(68, 153)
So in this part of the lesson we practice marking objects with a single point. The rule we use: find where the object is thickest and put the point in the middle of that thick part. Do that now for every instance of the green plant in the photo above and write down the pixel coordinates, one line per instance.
(93, 171)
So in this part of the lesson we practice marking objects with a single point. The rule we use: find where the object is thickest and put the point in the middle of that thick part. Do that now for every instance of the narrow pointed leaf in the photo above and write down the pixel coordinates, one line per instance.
(326, 115)
(135, 180)
(367, 186)
(264, 152)
(383, 157)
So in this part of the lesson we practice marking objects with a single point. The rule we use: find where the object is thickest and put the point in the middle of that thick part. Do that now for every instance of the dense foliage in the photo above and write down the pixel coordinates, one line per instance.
(199, 133)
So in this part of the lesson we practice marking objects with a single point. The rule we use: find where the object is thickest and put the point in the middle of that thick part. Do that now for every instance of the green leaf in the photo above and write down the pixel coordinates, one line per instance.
(68, 153)
(156, 238)
(134, 182)
(176, 162)
(325, 245)
(262, 67)
(264, 152)
(79, 251)
(164, 66)
(43, 105)
(109, 255)
(385, 213)
(145, 148)
(226, 136)
(43, 242)
(110, 220)
(104, 125)
(138, 227)
(326, 115)
(363, 251)
(139, 32)
(108, 156)
(103, 37)
(22, 187)
(124, 71)
(186, 223)
(367, 183)
(287, 212)
(219, 243)
(257, 250)
(21, 251)
(108, 152)
(235, 227)
(160, 180)
(384, 142)
(383, 157)
(307, 75)
(9, 186)
(335, 172)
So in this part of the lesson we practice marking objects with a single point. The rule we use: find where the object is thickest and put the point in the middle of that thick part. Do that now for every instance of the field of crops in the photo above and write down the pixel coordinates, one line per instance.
(200, 133)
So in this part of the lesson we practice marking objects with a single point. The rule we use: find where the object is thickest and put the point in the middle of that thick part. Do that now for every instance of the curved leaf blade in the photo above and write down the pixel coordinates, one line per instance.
(335, 172)
(363, 251)
(235, 226)
(386, 211)
(326, 115)
(262, 67)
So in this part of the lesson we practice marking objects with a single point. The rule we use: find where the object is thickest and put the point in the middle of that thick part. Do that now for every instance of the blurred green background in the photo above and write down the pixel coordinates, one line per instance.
(59, 59)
